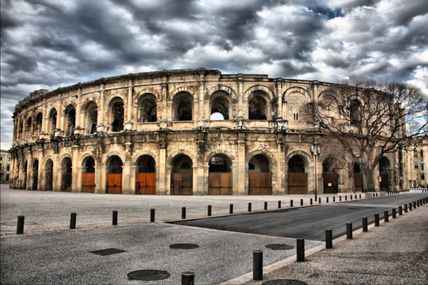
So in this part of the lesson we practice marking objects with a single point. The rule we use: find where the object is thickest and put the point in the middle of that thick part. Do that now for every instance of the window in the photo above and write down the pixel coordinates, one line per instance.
(422, 153)
(422, 176)
(257, 107)
(296, 116)
(355, 112)
(422, 166)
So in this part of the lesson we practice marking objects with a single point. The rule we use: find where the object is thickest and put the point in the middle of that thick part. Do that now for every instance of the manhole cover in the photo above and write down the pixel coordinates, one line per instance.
(148, 275)
(284, 282)
(183, 246)
(279, 246)
(108, 251)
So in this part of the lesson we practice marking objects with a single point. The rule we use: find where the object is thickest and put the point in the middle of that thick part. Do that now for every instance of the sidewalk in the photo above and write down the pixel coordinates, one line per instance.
(394, 253)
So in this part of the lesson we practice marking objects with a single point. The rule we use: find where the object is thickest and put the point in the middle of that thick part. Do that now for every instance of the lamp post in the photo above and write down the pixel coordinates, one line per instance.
(315, 152)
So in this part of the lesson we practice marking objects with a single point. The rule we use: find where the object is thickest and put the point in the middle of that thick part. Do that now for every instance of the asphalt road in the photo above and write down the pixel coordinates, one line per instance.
(309, 222)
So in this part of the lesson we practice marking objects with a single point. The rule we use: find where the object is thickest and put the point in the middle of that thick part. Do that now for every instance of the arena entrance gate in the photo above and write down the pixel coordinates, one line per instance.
(145, 178)
(259, 176)
(88, 175)
(358, 178)
(384, 170)
(66, 171)
(330, 176)
(220, 176)
(114, 175)
(182, 176)
(297, 178)
(35, 175)
(49, 175)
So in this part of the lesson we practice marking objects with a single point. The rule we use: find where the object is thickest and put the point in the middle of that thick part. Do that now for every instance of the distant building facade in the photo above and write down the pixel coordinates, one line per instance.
(4, 166)
(417, 163)
(182, 132)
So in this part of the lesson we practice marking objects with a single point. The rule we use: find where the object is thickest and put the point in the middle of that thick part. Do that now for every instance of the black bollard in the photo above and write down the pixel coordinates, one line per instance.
(328, 239)
(348, 230)
(394, 213)
(187, 278)
(414, 205)
(310, 201)
(410, 206)
(334, 199)
(356, 197)
(152, 215)
(346, 197)
(265, 206)
(249, 207)
(257, 265)
(209, 210)
(340, 198)
(405, 208)
(326, 199)
(20, 225)
(350, 197)
(291, 203)
(301, 202)
(376, 220)
(279, 204)
(319, 200)
(365, 224)
(300, 249)
(231, 209)
(183, 213)
(73, 221)
(360, 196)
(385, 216)
(114, 218)
(400, 210)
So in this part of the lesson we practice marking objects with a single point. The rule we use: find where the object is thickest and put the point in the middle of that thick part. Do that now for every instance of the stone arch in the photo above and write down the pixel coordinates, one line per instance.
(182, 175)
(178, 152)
(88, 166)
(116, 113)
(114, 170)
(145, 174)
(70, 119)
(223, 88)
(330, 174)
(66, 166)
(219, 152)
(52, 120)
(220, 102)
(90, 116)
(270, 94)
(144, 91)
(48, 173)
(260, 172)
(182, 106)
(293, 90)
(147, 108)
(302, 153)
(220, 174)
(191, 90)
(297, 178)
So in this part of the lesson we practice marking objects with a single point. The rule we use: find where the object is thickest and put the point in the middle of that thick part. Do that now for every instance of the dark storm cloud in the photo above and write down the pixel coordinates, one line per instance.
(52, 43)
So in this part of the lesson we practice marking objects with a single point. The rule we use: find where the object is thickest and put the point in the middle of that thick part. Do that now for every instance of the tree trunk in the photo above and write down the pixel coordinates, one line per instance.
(368, 179)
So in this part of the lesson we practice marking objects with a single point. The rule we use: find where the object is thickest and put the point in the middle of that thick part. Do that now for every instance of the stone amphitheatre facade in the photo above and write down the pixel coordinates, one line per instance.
(180, 132)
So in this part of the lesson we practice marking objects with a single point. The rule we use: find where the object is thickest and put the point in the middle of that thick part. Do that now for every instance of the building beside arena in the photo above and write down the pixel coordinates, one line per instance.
(417, 163)
(182, 132)
(4, 166)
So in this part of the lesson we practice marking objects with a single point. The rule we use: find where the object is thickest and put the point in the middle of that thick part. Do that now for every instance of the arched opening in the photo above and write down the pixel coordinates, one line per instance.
(145, 179)
(88, 175)
(117, 112)
(25, 175)
(70, 114)
(257, 107)
(21, 128)
(52, 121)
(330, 175)
(66, 174)
(297, 176)
(219, 107)
(35, 175)
(355, 112)
(384, 173)
(358, 177)
(259, 176)
(91, 117)
(147, 108)
(220, 175)
(182, 106)
(114, 175)
(29, 125)
(39, 121)
(49, 175)
(182, 175)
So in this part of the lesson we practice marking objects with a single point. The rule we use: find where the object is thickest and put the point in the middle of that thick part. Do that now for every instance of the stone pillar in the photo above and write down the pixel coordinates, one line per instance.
(40, 171)
(161, 173)
(29, 170)
(99, 170)
(76, 185)
(241, 112)
(280, 190)
(202, 91)
(101, 124)
(242, 185)
(129, 120)
(126, 176)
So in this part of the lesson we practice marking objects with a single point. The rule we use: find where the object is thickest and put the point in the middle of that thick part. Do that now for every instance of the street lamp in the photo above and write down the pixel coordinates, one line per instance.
(315, 151)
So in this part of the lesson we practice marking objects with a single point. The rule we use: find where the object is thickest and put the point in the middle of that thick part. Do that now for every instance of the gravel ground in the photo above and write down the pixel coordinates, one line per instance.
(50, 211)
(394, 253)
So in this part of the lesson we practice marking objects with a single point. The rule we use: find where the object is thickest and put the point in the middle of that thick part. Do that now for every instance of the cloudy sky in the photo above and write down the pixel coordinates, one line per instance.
(52, 43)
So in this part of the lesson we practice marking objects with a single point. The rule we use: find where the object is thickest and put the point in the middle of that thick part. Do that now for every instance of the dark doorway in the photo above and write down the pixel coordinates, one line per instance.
(182, 175)
(384, 173)
(297, 178)
(66, 174)
(114, 175)
(358, 178)
(145, 180)
(259, 176)
(35, 175)
(330, 176)
(88, 175)
(220, 176)
(49, 175)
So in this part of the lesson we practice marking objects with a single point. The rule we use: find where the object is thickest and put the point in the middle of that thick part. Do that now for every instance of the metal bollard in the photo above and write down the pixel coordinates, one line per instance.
(385, 216)
(231, 209)
(310, 201)
(326, 199)
(356, 197)
(319, 200)
(340, 198)
(114, 218)
(209, 210)
(400, 210)
(334, 198)
(187, 278)
(346, 198)
(265, 207)
(405, 208)
(365, 224)
(301, 202)
(183, 213)
(152, 215)
(20, 225)
(328, 239)
(279, 204)
(414, 205)
(73, 221)
(394, 213)
(360, 196)
(350, 197)
(257, 265)
(376, 220)
(300, 249)
(348, 230)
(291, 203)
(249, 207)
(410, 206)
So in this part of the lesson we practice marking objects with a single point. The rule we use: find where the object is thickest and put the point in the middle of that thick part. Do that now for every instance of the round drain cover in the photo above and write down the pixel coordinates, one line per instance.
(148, 275)
(284, 282)
(183, 246)
(279, 246)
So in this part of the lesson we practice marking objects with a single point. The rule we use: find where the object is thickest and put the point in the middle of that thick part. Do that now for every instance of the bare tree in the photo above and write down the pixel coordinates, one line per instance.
(370, 119)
